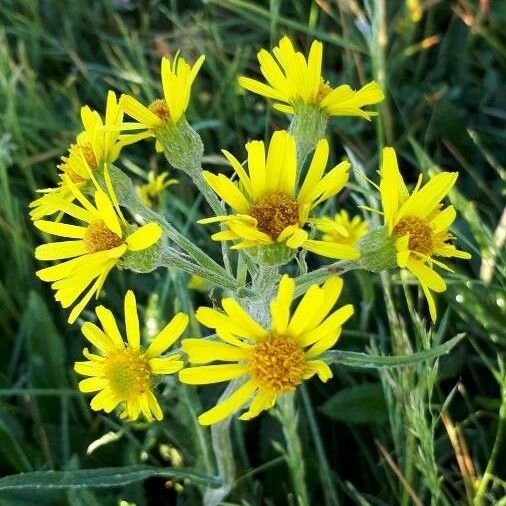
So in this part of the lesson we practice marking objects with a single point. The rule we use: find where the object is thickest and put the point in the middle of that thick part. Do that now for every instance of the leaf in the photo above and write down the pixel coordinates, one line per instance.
(97, 478)
(357, 404)
(355, 359)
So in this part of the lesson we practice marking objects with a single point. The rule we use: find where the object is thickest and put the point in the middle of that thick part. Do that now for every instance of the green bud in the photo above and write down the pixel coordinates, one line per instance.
(182, 145)
(308, 127)
(271, 255)
(377, 251)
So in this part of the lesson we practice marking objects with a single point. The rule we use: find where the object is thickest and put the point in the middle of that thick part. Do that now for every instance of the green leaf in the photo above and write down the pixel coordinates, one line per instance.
(354, 359)
(357, 404)
(97, 478)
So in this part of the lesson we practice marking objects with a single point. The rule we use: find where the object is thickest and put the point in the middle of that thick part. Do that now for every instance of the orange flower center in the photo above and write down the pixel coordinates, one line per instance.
(420, 234)
(128, 373)
(70, 172)
(99, 238)
(278, 364)
(159, 108)
(323, 91)
(274, 212)
(88, 154)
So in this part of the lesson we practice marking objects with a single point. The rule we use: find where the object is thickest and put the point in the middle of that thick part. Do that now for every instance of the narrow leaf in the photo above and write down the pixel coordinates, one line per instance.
(97, 478)
(355, 359)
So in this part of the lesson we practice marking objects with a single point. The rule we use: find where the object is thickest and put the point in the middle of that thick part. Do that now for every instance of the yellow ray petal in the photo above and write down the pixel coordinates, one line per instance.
(280, 306)
(144, 237)
(202, 351)
(60, 229)
(315, 171)
(165, 365)
(109, 325)
(242, 319)
(168, 335)
(227, 191)
(60, 250)
(426, 275)
(256, 167)
(332, 249)
(238, 398)
(207, 374)
(132, 321)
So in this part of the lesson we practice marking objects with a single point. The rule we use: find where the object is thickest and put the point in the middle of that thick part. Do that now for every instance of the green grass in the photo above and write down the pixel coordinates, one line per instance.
(422, 434)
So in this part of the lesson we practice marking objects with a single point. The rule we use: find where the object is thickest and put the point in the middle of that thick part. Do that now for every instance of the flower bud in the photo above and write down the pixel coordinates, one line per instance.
(377, 251)
(308, 127)
(271, 255)
(182, 145)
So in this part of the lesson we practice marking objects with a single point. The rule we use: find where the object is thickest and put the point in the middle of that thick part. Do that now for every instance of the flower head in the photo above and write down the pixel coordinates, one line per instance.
(419, 224)
(293, 80)
(151, 191)
(268, 209)
(96, 246)
(123, 373)
(97, 146)
(269, 361)
(177, 80)
(341, 229)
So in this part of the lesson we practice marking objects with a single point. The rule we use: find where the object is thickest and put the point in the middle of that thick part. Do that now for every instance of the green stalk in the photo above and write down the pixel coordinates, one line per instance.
(223, 453)
(498, 445)
(288, 417)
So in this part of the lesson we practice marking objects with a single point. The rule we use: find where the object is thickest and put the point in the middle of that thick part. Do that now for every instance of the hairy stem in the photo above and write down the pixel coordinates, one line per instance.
(498, 444)
(288, 417)
(222, 448)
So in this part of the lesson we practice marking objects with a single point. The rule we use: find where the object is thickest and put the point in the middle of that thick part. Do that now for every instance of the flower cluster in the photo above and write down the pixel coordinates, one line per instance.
(271, 209)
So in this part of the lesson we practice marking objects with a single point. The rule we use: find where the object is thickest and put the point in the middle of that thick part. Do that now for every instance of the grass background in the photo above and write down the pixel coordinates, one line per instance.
(423, 433)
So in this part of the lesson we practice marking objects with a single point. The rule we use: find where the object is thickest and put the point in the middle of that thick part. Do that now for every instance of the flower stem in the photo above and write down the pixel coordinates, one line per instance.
(222, 448)
(498, 444)
(288, 417)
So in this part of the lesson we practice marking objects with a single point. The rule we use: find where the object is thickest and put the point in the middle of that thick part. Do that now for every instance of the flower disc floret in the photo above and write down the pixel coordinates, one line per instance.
(419, 232)
(274, 212)
(100, 238)
(160, 108)
(128, 373)
(277, 364)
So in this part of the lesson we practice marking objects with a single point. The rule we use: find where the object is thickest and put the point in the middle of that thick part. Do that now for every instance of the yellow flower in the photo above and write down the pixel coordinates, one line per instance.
(267, 208)
(269, 361)
(150, 192)
(199, 284)
(293, 80)
(341, 229)
(98, 145)
(96, 247)
(177, 80)
(419, 224)
(123, 373)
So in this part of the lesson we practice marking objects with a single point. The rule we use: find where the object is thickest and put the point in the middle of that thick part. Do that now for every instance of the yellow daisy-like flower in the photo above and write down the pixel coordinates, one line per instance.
(94, 249)
(293, 80)
(419, 224)
(98, 145)
(341, 229)
(268, 209)
(123, 373)
(151, 191)
(270, 361)
(177, 80)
